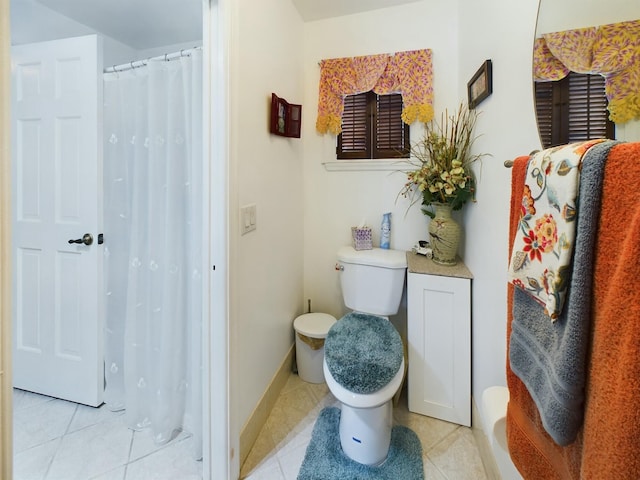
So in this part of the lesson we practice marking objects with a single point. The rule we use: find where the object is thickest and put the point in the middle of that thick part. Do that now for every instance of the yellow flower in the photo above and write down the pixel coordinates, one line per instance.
(433, 188)
(449, 189)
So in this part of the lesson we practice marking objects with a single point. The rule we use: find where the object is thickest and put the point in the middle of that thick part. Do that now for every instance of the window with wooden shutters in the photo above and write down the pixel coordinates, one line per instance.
(544, 112)
(372, 127)
(572, 109)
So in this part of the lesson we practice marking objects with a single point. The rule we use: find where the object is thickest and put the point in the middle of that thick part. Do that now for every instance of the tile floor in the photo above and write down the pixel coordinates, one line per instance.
(449, 450)
(59, 440)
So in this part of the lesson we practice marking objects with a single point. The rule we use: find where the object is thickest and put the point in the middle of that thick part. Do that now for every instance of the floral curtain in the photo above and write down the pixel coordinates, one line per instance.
(408, 73)
(611, 50)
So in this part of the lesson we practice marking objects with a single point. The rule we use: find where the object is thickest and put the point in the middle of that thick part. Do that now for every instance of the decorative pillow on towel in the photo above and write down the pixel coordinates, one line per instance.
(543, 247)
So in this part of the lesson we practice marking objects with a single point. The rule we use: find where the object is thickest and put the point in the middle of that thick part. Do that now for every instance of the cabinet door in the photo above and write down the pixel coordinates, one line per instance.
(439, 332)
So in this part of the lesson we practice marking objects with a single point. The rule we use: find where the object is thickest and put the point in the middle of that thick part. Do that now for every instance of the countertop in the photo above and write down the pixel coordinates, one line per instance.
(420, 264)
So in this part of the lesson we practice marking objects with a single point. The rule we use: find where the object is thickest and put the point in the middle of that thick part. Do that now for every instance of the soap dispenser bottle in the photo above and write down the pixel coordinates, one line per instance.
(385, 231)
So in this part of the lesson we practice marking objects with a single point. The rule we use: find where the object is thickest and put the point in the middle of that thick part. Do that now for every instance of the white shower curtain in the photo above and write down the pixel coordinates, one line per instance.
(152, 237)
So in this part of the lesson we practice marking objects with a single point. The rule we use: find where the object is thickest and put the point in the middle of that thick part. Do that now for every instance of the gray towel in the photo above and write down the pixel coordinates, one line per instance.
(550, 357)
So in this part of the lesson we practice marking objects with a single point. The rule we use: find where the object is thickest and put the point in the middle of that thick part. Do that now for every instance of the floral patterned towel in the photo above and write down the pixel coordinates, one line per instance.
(543, 247)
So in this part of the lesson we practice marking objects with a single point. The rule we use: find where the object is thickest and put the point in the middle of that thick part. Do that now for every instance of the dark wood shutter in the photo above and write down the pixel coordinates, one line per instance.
(372, 127)
(588, 113)
(391, 131)
(544, 111)
(572, 109)
(353, 142)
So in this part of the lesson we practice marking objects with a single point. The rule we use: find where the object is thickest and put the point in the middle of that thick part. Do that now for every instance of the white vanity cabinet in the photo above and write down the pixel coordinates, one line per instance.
(439, 339)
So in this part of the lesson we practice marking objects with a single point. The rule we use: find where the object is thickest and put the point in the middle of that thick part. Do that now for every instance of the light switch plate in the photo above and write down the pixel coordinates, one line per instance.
(247, 218)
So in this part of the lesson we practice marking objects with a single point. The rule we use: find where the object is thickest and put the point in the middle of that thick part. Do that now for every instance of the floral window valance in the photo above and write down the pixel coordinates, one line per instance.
(612, 51)
(408, 73)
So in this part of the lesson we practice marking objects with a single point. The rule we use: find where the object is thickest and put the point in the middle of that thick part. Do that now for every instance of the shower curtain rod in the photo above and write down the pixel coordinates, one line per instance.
(141, 63)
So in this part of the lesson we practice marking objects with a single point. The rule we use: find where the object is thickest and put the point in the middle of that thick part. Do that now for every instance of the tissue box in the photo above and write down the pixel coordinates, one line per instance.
(361, 238)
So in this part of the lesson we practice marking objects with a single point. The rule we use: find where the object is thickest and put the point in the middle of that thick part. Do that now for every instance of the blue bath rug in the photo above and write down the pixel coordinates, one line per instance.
(324, 459)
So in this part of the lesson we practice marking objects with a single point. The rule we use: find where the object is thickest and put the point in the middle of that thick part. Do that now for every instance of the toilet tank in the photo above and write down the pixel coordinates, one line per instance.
(372, 280)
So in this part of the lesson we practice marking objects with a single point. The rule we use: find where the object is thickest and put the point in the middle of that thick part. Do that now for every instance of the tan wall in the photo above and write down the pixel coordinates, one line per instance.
(6, 423)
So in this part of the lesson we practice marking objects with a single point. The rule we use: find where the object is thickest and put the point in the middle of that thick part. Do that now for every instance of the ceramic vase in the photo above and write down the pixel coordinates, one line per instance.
(444, 235)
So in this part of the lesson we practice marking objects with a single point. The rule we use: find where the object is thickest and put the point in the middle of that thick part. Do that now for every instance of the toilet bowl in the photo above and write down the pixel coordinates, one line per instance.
(364, 359)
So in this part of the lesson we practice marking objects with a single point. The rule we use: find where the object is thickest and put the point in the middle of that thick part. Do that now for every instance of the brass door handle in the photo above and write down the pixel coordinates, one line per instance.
(87, 239)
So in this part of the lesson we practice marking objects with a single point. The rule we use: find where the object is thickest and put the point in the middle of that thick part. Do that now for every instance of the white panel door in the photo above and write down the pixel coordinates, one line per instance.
(57, 188)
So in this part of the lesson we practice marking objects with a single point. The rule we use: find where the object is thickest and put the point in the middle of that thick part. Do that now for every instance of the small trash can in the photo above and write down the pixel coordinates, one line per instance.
(311, 330)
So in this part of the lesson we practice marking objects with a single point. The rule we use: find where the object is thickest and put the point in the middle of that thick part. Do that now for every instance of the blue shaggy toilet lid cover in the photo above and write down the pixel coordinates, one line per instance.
(363, 352)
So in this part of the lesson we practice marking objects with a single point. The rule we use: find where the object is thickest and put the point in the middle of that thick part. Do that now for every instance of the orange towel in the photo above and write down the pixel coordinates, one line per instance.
(607, 448)
(612, 421)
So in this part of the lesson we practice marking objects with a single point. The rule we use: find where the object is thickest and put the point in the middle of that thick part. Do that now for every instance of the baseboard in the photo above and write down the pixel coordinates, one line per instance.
(482, 441)
(258, 417)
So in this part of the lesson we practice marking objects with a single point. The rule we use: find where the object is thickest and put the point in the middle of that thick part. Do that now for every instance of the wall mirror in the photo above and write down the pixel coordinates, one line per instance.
(554, 16)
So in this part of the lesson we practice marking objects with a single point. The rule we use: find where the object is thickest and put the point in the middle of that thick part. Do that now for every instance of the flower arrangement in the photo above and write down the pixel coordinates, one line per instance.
(443, 161)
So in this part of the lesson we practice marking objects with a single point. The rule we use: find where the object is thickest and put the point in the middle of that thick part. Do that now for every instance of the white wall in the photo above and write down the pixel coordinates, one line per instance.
(266, 264)
(336, 201)
(503, 31)
(461, 39)
(556, 16)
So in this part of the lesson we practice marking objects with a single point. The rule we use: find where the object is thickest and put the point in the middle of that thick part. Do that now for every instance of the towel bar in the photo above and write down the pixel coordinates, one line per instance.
(509, 163)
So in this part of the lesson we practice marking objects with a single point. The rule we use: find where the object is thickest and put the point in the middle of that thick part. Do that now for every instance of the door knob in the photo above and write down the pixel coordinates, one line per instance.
(87, 239)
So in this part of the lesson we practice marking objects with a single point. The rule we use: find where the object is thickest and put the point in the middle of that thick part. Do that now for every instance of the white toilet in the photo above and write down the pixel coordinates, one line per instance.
(364, 359)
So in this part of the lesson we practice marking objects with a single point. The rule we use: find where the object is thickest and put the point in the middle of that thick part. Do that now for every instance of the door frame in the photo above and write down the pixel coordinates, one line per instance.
(221, 436)
(6, 417)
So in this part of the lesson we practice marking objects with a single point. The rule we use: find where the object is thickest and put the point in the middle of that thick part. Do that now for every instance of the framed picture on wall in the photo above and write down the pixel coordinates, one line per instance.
(480, 86)
(286, 118)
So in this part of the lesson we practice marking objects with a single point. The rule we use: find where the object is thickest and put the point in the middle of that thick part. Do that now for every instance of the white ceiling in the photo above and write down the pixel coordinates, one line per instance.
(318, 9)
(140, 24)
(143, 24)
